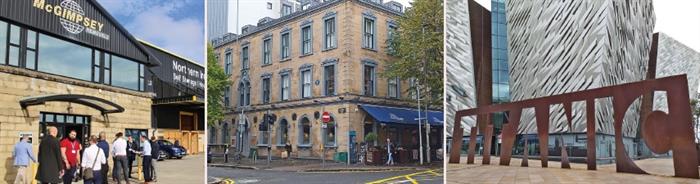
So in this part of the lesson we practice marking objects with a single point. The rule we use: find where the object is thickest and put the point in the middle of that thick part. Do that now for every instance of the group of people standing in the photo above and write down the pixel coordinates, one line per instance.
(66, 161)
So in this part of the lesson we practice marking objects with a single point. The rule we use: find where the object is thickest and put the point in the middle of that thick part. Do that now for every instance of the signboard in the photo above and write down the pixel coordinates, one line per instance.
(326, 117)
(188, 75)
(30, 135)
(72, 17)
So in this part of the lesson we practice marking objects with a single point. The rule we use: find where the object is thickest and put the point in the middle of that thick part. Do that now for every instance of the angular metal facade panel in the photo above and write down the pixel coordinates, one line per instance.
(461, 87)
(674, 58)
(557, 47)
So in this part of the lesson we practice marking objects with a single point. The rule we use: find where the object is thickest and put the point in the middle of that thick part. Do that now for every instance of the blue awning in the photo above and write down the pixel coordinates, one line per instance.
(397, 115)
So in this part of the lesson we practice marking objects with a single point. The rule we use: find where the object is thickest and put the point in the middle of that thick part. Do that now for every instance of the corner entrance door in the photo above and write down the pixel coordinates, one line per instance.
(65, 123)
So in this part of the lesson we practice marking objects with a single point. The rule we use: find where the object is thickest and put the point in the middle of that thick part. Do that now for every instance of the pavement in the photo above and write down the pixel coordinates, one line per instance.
(189, 169)
(660, 169)
(238, 176)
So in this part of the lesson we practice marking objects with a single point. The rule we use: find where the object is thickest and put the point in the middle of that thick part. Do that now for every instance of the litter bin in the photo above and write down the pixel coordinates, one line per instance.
(341, 157)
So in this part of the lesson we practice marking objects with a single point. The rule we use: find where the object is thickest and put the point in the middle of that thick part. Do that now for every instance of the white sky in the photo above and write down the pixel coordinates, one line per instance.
(679, 19)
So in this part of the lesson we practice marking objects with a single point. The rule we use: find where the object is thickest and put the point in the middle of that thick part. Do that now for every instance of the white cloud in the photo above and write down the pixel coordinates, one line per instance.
(153, 21)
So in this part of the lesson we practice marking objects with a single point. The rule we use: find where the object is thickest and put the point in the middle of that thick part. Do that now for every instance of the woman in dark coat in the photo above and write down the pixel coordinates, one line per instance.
(50, 159)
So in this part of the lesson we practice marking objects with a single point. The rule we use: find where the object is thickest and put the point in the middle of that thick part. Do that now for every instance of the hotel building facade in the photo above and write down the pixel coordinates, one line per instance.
(327, 57)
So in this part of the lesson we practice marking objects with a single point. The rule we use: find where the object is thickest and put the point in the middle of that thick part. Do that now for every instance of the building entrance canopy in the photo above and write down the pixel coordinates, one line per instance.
(104, 106)
(396, 115)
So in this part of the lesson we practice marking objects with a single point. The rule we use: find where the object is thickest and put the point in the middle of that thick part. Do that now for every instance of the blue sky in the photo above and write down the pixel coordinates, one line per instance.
(177, 26)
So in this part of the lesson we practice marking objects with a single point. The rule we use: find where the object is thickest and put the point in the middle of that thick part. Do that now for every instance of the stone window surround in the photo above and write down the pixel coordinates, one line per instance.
(373, 64)
(308, 23)
(288, 32)
(278, 133)
(369, 15)
(266, 38)
(328, 16)
(300, 132)
(262, 90)
(285, 72)
(228, 61)
(398, 88)
(324, 131)
(330, 62)
(245, 45)
(304, 68)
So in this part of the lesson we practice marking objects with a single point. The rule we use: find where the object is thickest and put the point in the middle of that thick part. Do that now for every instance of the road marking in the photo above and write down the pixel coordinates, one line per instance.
(407, 176)
(228, 181)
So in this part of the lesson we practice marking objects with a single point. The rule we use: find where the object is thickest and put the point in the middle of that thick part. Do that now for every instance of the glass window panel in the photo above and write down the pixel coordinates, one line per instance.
(125, 73)
(31, 59)
(3, 40)
(14, 56)
(49, 118)
(107, 77)
(70, 119)
(96, 74)
(31, 39)
(285, 45)
(14, 34)
(141, 70)
(64, 58)
(60, 118)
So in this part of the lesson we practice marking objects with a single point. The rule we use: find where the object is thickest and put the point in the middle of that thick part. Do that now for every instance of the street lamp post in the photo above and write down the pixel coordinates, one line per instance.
(420, 135)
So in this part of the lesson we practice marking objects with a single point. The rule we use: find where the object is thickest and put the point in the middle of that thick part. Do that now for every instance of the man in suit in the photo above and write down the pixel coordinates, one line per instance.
(102, 144)
(50, 159)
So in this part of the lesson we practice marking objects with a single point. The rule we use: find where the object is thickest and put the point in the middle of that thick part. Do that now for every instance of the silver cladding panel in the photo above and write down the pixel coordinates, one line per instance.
(558, 47)
(459, 65)
(674, 58)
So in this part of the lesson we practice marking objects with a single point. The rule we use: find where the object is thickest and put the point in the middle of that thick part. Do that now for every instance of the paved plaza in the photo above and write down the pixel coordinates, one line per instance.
(661, 170)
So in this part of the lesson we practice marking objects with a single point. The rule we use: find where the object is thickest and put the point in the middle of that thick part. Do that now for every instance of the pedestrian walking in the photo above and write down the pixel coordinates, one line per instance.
(389, 149)
(104, 146)
(22, 154)
(146, 155)
(50, 159)
(121, 165)
(93, 160)
(155, 150)
(70, 150)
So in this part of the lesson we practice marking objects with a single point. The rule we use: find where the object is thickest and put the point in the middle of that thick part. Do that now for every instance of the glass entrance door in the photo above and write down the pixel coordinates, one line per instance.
(65, 123)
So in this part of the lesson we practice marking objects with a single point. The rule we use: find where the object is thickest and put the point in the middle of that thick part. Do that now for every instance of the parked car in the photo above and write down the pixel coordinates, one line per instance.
(170, 150)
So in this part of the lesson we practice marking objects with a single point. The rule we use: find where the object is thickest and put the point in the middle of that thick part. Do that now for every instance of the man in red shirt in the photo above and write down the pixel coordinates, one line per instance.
(70, 150)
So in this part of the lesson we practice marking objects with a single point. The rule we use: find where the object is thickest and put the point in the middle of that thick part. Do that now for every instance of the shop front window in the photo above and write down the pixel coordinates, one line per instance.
(329, 133)
(305, 131)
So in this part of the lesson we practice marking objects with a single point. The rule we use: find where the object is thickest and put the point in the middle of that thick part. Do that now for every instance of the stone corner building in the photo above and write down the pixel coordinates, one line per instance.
(329, 57)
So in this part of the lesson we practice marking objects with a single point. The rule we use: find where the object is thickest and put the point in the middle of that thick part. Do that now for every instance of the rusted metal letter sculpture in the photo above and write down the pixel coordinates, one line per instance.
(661, 131)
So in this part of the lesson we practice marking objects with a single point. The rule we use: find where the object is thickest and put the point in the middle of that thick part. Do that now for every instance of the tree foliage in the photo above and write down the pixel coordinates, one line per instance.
(217, 81)
(418, 49)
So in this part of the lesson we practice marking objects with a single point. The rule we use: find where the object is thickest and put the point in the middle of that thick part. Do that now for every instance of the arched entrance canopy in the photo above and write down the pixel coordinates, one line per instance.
(104, 106)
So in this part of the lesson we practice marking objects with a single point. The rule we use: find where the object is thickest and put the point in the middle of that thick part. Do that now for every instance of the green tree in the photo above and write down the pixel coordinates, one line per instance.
(417, 47)
(217, 80)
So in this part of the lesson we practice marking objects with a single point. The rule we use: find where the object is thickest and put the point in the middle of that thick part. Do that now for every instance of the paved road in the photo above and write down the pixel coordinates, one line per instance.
(286, 177)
